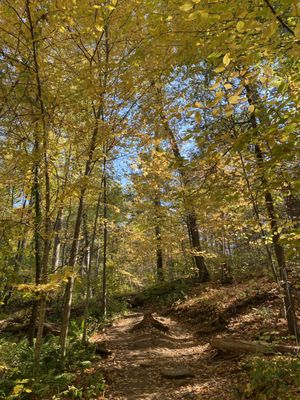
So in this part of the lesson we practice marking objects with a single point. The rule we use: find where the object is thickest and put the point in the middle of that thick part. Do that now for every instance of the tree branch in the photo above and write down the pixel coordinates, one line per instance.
(282, 22)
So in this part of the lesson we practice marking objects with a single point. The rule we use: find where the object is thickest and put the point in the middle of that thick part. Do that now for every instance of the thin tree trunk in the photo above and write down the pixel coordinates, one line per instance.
(70, 282)
(47, 219)
(75, 242)
(159, 255)
(278, 248)
(105, 233)
(94, 234)
(88, 169)
(87, 264)
(57, 241)
(65, 239)
(192, 224)
(257, 215)
(37, 238)
(17, 262)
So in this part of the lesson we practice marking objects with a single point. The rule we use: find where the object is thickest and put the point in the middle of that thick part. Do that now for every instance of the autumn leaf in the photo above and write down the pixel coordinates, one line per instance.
(198, 117)
(240, 26)
(226, 59)
(187, 6)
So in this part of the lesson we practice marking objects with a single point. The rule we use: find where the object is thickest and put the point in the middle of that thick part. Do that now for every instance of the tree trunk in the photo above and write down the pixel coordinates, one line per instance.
(159, 255)
(192, 224)
(257, 215)
(94, 273)
(196, 247)
(87, 264)
(98, 113)
(57, 242)
(104, 265)
(159, 252)
(69, 286)
(278, 248)
(37, 238)
(47, 220)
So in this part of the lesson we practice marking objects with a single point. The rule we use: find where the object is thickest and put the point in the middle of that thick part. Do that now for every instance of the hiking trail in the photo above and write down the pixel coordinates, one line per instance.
(151, 364)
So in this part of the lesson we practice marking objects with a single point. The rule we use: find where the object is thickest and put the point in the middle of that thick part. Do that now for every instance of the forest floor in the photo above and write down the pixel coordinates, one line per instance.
(140, 358)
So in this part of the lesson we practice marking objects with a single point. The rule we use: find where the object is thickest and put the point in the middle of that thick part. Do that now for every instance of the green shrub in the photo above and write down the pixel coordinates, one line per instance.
(16, 367)
(273, 379)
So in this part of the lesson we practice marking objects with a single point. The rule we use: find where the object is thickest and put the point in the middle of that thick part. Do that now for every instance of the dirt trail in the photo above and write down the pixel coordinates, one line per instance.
(133, 371)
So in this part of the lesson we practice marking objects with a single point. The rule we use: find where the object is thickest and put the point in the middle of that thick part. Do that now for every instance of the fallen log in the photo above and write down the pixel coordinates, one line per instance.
(227, 344)
(10, 326)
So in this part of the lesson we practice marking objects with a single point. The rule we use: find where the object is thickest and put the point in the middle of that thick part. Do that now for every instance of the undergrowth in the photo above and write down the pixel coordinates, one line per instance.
(16, 370)
(276, 378)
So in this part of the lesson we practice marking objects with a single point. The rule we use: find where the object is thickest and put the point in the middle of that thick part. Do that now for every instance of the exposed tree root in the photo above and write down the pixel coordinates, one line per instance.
(148, 322)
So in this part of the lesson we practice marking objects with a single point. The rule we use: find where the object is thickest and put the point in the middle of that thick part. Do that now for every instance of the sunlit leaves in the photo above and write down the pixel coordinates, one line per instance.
(240, 26)
(226, 59)
(187, 6)
(198, 117)
(251, 108)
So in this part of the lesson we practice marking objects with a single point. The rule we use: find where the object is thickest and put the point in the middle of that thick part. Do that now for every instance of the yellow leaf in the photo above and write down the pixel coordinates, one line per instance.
(234, 99)
(240, 26)
(215, 86)
(228, 86)
(186, 6)
(204, 14)
(219, 69)
(229, 112)
(263, 79)
(197, 117)
(226, 59)
(197, 104)
(251, 108)
(99, 28)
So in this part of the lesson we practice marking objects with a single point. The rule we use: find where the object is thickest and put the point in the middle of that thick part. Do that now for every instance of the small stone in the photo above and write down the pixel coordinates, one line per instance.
(177, 373)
